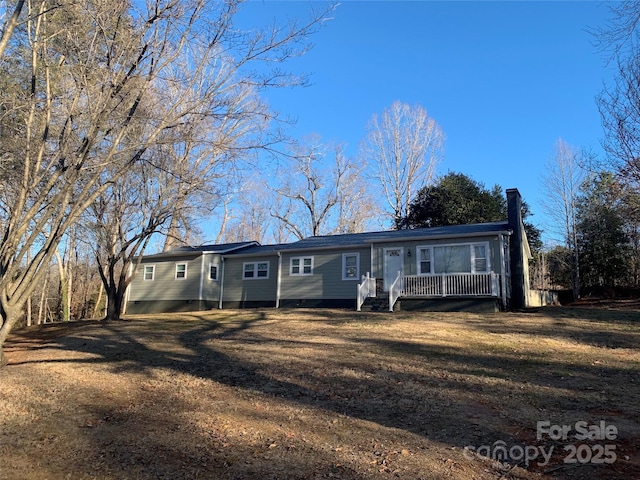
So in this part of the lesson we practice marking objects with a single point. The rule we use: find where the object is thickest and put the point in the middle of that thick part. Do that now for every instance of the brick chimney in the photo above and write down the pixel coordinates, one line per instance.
(516, 249)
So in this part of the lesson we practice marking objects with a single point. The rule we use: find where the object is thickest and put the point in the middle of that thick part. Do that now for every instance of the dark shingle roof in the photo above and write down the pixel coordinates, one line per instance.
(260, 250)
(344, 240)
(220, 248)
(363, 239)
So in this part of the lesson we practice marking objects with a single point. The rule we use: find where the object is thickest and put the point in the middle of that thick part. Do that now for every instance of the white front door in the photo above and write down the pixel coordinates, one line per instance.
(393, 261)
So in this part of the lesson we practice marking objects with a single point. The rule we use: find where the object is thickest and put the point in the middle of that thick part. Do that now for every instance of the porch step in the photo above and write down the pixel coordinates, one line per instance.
(376, 304)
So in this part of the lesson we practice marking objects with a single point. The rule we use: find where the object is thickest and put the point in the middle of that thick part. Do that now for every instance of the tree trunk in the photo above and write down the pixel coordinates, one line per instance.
(8, 317)
(63, 302)
(41, 312)
(115, 299)
(29, 314)
(96, 308)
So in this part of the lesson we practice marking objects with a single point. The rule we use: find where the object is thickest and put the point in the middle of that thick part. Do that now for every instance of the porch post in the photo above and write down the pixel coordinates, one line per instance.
(371, 263)
(503, 272)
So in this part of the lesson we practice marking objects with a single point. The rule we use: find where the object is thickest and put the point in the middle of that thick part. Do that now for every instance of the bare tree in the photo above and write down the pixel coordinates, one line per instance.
(403, 147)
(65, 272)
(11, 19)
(87, 117)
(318, 196)
(620, 35)
(619, 102)
(561, 183)
(357, 210)
(222, 121)
(252, 221)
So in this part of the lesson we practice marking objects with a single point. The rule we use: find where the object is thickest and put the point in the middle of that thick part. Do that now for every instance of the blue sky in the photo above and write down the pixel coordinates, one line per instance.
(504, 80)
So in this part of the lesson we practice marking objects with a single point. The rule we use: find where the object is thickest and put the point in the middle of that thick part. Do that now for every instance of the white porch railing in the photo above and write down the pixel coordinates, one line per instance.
(365, 289)
(445, 285)
(395, 290)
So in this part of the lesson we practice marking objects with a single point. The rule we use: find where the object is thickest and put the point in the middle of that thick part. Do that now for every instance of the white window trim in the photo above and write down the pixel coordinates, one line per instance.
(255, 270)
(212, 264)
(186, 267)
(344, 266)
(471, 252)
(301, 265)
(153, 273)
(486, 257)
(418, 248)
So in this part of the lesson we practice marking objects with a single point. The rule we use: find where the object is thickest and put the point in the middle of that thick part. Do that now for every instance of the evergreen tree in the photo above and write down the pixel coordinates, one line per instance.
(602, 243)
(559, 267)
(456, 199)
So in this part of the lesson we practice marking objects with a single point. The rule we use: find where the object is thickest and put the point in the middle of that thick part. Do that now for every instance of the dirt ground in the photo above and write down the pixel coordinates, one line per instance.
(310, 394)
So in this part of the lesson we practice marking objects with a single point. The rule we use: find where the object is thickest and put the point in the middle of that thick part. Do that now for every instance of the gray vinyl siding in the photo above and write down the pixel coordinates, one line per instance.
(198, 291)
(164, 285)
(326, 281)
(211, 288)
(238, 289)
(410, 262)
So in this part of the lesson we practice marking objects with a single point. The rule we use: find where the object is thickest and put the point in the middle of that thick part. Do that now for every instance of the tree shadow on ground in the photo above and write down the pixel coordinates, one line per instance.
(455, 401)
(594, 327)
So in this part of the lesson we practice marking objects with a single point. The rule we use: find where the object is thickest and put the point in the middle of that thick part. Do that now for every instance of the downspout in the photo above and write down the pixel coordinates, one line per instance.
(278, 279)
(201, 282)
(221, 282)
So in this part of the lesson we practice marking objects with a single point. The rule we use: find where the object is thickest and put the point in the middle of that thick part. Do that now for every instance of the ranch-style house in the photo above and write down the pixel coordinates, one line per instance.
(464, 267)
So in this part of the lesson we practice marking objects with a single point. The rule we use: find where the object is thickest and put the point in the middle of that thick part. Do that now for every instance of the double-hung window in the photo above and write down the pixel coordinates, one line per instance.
(425, 261)
(181, 271)
(350, 266)
(149, 271)
(255, 270)
(213, 271)
(479, 258)
(301, 266)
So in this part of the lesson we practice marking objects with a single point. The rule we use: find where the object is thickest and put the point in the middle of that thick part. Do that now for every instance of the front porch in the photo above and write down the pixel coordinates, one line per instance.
(428, 287)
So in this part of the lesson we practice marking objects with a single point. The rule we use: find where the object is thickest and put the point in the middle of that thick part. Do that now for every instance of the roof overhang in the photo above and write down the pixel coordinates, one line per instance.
(492, 233)
(414, 238)
(196, 253)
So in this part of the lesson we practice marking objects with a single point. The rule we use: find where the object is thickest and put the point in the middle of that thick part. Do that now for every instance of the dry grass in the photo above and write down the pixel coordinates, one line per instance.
(305, 394)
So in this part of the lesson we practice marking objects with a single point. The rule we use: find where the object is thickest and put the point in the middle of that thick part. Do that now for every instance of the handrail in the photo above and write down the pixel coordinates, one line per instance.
(395, 290)
(445, 285)
(365, 289)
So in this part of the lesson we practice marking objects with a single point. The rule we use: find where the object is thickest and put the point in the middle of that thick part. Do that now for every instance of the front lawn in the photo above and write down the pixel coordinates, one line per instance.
(306, 394)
